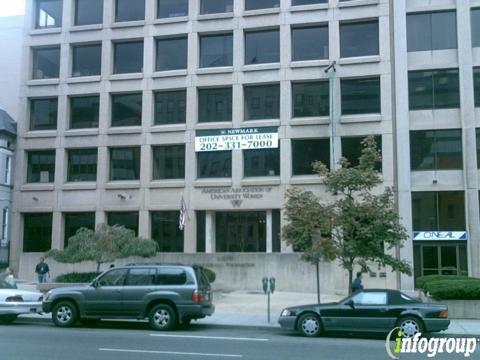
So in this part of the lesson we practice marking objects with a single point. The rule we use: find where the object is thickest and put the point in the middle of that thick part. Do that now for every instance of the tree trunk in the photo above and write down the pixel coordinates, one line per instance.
(350, 280)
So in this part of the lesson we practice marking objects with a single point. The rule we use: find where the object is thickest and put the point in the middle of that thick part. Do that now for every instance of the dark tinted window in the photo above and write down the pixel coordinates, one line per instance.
(436, 150)
(170, 107)
(361, 96)
(215, 104)
(128, 10)
(214, 164)
(43, 114)
(307, 151)
(201, 219)
(37, 232)
(432, 31)
(310, 43)
(172, 8)
(87, 60)
(88, 12)
(46, 63)
(76, 221)
(261, 162)
(436, 89)
(165, 231)
(169, 162)
(127, 110)
(352, 148)
(141, 277)
(128, 57)
(359, 39)
(262, 47)
(261, 4)
(171, 276)
(216, 6)
(41, 166)
(438, 211)
(125, 163)
(172, 54)
(84, 112)
(475, 21)
(129, 220)
(48, 13)
(82, 165)
(476, 86)
(262, 102)
(310, 99)
(308, 2)
(115, 277)
(216, 50)
(478, 147)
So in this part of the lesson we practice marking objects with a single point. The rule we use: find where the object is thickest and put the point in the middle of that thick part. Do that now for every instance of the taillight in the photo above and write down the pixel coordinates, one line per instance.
(197, 296)
(443, 314)
(16, 298)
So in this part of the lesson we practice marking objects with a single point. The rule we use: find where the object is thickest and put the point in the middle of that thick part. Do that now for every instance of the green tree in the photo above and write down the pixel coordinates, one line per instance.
(104, 245)
(358, 227)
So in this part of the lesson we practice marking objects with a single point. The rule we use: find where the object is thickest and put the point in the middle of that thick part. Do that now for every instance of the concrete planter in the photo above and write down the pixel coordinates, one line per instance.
(458, 309)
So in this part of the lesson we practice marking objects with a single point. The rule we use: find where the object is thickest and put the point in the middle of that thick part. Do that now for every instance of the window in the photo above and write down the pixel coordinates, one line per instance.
(43, 114)
(46, 63)
(172, 8)
(37, 232)
(361, 96)
(436, 150)
(216, 6)
(477, 133)
(309, 43)
(48, 13)
(215, 104)
(476, 86)
(262, 102)
(310, 99)
(308, 2)
(115, 277)
(141, 277)
(129, 220)
(170, 107)
(87, 60)
(76, 221)
(306, 151)
(84, 112)
(261, 162)
(214, 164)
(128, 10)
(475, 21)
(352, 148)
(169, 162)
(436, 89)
(432, 31)
(261, 4)
(370, 298)
(5, 224)
(128, 57)
(438, 211)
(262, 47)
(82, 165)
(440, 258)
(127, 110)
(41, 166)
(8, 170)
(200, 216)
(359, 39)
(165, 231)
(88, 12)
(216, 50)
(240, 231)
(125, 163)
(172, 54)
(170, 276)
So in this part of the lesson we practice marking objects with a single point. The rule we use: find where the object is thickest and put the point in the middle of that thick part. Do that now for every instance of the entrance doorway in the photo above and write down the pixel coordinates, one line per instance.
(241, 231)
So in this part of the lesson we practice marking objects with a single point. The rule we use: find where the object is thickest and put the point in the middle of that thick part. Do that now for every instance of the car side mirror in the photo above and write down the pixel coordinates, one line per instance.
(350, 303)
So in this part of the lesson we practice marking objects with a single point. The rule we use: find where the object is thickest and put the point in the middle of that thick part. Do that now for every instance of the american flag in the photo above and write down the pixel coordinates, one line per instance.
(183, 214)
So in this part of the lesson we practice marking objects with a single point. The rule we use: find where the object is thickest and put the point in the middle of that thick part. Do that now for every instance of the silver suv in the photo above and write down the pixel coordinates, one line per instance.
(167, 294)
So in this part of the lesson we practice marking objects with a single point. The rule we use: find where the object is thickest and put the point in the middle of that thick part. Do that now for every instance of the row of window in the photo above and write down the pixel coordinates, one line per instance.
(48, 13)
(216, 50)
(169, 161)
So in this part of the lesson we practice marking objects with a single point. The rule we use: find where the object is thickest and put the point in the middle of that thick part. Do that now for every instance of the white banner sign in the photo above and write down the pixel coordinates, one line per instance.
(440, 235)
(236, 139)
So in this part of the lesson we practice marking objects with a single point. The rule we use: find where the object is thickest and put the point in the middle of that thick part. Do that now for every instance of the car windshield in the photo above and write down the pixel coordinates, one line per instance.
(5, 285)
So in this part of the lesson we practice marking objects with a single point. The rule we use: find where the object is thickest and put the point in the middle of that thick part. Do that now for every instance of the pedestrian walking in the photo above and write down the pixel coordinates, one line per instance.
(357, 283)
(43, 271)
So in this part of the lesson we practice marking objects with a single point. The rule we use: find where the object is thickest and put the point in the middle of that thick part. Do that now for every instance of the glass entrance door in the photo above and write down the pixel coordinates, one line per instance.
(241, 231)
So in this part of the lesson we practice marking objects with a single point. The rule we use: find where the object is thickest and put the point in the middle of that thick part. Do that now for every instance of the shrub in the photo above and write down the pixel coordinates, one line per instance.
(468, 289)
(76, 277)
(423, 280)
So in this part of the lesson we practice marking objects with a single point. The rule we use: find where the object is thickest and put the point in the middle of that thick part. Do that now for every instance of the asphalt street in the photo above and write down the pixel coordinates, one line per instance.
(27, 339)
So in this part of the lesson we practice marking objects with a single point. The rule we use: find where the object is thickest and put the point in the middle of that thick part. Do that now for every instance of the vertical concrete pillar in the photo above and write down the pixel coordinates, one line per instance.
(210, 232)
(269, 232)
(57, 236)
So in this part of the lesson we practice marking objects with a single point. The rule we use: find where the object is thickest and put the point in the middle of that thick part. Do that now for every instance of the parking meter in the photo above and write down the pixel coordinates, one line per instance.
(272, 284)
(265, 284)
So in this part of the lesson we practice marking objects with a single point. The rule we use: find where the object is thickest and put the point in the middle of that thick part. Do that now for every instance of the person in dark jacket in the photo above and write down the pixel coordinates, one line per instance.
(357, 283)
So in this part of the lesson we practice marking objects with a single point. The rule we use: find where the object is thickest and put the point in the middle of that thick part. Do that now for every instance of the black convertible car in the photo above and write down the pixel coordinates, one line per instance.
(373, 311)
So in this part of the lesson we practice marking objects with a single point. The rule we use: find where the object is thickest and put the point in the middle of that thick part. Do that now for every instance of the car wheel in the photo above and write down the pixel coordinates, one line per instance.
(7, 319)
(309, 325)
(162, 317)
(65, 314)
(410, 326)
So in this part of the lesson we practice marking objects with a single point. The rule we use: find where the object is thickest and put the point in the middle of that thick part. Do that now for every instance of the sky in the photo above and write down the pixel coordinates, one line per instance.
(12, 7)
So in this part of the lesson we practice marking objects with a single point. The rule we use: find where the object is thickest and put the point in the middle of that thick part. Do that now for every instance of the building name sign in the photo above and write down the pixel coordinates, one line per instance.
(440, 235)
(236, 195)
(236, 139)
